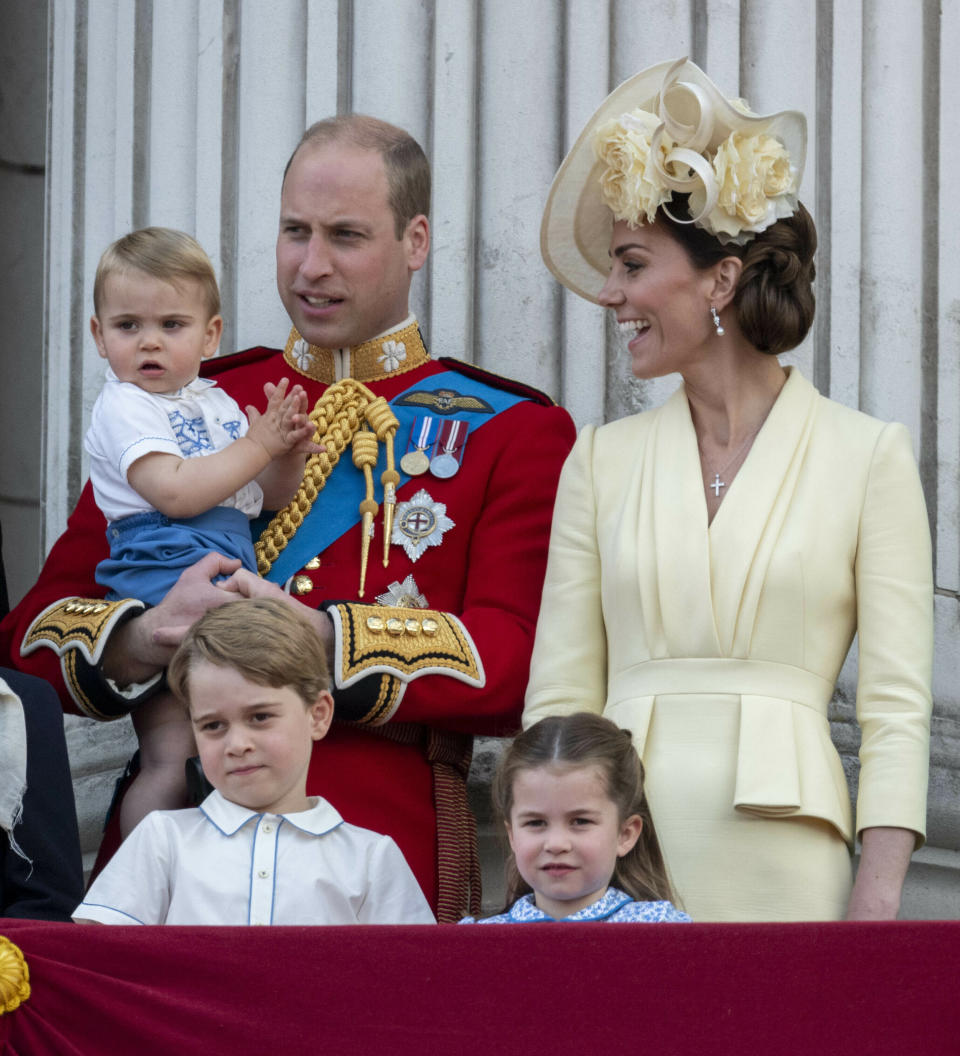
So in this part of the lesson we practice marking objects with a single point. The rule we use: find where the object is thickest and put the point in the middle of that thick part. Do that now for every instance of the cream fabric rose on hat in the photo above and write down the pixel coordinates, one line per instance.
(757, 185)
(669, 130)
(629, 182)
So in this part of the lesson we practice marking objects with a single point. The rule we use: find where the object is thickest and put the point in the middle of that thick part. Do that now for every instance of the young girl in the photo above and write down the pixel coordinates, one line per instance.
(583, 845)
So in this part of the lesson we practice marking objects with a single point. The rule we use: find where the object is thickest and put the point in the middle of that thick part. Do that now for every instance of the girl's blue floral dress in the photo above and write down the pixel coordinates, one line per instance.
(614, 907)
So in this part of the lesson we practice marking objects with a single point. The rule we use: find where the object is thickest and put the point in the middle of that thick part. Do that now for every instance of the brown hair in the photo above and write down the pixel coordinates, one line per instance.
(406, 165)
(172, 256)
(774, 299)
(264, 639)
(585, 739)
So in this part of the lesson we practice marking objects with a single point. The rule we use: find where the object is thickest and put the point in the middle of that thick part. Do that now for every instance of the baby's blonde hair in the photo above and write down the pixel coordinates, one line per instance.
(163, 253)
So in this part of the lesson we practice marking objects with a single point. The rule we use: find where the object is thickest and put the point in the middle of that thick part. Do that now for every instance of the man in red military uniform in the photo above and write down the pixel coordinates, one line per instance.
(418, 538)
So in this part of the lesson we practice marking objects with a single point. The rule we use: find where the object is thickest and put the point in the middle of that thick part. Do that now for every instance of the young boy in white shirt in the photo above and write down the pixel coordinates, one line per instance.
(258, 850)
(177, 469)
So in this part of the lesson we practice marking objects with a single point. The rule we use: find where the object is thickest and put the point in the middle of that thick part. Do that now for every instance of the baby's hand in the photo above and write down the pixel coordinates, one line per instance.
(284, 427)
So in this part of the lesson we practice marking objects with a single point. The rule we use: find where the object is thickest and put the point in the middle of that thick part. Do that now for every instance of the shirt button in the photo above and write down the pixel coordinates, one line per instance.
(263, 874)
(268, 828)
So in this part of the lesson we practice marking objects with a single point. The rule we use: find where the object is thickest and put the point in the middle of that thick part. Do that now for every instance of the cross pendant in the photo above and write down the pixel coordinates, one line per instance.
(717, 485)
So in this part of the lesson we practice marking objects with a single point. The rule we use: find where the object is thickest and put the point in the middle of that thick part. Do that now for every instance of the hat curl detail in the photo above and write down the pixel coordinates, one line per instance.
(739, 183)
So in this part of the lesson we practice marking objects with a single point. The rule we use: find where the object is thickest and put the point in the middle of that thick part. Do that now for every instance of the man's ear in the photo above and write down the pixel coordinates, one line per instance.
(417, 239)
(321, 715)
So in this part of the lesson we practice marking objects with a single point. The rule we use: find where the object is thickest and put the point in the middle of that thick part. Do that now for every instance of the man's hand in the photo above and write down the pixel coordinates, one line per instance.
(141, 647)
(244, 584)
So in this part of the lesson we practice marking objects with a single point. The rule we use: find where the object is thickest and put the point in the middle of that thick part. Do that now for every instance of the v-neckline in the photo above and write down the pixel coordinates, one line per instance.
(709, 573)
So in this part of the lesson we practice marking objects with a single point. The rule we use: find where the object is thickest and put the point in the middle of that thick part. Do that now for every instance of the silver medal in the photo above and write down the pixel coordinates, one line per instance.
(444, 466)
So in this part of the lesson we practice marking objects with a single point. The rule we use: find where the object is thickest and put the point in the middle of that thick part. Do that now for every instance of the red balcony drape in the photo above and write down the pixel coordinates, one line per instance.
(589, 989)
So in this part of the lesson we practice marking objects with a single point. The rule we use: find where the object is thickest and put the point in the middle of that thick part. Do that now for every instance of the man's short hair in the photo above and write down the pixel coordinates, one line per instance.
(263, 639)
(163, 253)
(406, 165)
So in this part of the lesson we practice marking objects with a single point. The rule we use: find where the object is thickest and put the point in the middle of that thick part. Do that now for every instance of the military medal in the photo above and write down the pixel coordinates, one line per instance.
(416, 461)
(420, 523)
(448, 451)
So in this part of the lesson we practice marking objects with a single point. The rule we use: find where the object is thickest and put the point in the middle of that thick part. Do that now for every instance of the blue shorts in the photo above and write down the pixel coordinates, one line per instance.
(148, 551)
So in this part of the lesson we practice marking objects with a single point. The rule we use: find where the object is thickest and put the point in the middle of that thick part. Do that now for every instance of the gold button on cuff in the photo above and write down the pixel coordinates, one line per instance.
(313, 564)
(412, 626)
(301, 585)
(375, 624)
(85, 608)
(394, 626)
(430, 626)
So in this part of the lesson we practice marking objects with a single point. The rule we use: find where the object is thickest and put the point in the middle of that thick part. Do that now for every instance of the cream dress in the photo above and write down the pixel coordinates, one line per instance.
(719, 646)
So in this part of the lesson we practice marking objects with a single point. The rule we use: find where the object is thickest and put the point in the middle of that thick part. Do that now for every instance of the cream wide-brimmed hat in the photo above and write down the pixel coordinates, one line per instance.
(741, 169)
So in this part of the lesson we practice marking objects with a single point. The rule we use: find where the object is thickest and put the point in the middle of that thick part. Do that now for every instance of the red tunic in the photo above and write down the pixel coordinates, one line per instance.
(488, 571)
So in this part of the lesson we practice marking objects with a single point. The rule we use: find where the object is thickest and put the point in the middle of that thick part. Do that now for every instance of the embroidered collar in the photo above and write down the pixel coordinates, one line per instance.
(195, 388)
(230, 817)
(525, 910)
(388, 354)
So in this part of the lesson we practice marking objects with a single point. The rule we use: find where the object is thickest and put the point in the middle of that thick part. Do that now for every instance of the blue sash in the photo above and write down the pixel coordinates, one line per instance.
(336, 508)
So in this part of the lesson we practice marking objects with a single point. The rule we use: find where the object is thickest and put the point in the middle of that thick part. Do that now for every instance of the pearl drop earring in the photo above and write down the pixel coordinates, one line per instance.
(716, 321)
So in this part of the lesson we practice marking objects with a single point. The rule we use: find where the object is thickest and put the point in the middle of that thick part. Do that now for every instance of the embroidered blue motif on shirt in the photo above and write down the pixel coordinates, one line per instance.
(232, 429)
(190, 433)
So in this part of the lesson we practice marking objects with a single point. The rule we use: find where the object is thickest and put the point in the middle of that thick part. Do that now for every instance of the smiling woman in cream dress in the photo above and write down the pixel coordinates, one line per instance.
(711, 560)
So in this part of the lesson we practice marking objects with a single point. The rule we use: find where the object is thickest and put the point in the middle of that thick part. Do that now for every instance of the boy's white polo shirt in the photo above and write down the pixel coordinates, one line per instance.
(221, 863)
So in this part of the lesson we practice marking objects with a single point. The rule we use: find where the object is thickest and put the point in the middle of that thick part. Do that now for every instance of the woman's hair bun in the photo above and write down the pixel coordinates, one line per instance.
(774, 298)
(774, 301)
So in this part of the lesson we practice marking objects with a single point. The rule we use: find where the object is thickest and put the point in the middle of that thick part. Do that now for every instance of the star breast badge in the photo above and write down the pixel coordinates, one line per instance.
(420, 523)
(405, 595)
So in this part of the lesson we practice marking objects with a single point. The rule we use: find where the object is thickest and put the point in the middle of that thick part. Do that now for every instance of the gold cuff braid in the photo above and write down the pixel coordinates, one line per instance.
(77, 630)
(404, 643)
(78, 623)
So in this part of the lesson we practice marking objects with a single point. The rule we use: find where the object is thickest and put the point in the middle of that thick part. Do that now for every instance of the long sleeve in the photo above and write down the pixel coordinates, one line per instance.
(895, 628)
(68, 572)
(45, 881)
(568, 671)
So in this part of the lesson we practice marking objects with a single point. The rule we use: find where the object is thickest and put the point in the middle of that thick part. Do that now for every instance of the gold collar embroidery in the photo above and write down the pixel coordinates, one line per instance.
(386, 356)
